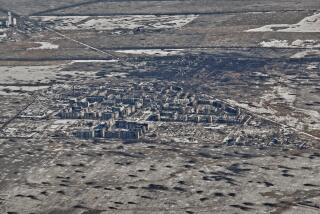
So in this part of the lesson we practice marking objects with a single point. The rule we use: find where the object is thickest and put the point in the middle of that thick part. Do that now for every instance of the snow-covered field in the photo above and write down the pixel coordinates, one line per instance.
(117, 22)
(18, 74)
(308, 24)
(289, 97)
(44, 46)
(26, 78)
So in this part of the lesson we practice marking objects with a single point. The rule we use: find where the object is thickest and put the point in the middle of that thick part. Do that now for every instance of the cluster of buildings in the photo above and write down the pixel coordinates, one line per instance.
(97, 107)
(5, 24)
(113, 112)
(120, 129)
(172, 103)
(107, 115)
(184, 107)
(8, 22)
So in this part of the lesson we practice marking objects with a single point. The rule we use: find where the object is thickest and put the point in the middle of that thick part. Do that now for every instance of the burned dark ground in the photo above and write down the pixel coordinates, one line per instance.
(117, 106)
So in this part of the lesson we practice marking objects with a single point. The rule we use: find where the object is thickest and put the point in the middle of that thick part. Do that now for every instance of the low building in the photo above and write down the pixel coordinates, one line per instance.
(3, 34)
(93, 99)
(85, 134)
(99, 131)
(112, 134)
(66, 114)
(9, 21)
(107, 115)
(129, 134)
(231, 110)
(3, 23)
(91, 115)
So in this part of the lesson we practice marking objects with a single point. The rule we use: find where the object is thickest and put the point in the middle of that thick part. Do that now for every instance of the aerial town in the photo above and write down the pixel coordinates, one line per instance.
(154, 107)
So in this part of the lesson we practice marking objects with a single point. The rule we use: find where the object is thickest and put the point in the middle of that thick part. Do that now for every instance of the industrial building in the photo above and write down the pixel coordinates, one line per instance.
(124, 130)
(8, 21)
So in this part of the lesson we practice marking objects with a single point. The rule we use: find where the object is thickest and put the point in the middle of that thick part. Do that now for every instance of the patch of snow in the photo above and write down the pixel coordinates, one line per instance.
(306, 53)
(313, 66)
(270, 82)
(215, 127)
(308, 24)
(285, 93)
(258, 110)
(75, 73)
(295, 44)
(275, 43)
(117, 74)
(181, 140)
(12, 90)
(44, 46)
(64, 122)
(93, 61)
(157, 52)
(306, 43)
(288, 120)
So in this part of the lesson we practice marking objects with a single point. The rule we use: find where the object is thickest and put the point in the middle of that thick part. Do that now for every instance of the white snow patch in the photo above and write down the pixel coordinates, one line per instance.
(258, 110)
(117, 74)
(217, 127)
(303, 54)
(10, 90)
(306, 43)
(44, 46)
(93, 61)
(275, 43)
(313, 66)
(308, 24)
(158, 52)
(286, 94)
(64, 122)
(295, 44)
(76, 74)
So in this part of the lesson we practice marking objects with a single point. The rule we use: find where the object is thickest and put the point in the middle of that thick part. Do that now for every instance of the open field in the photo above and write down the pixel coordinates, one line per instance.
(117, 106)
